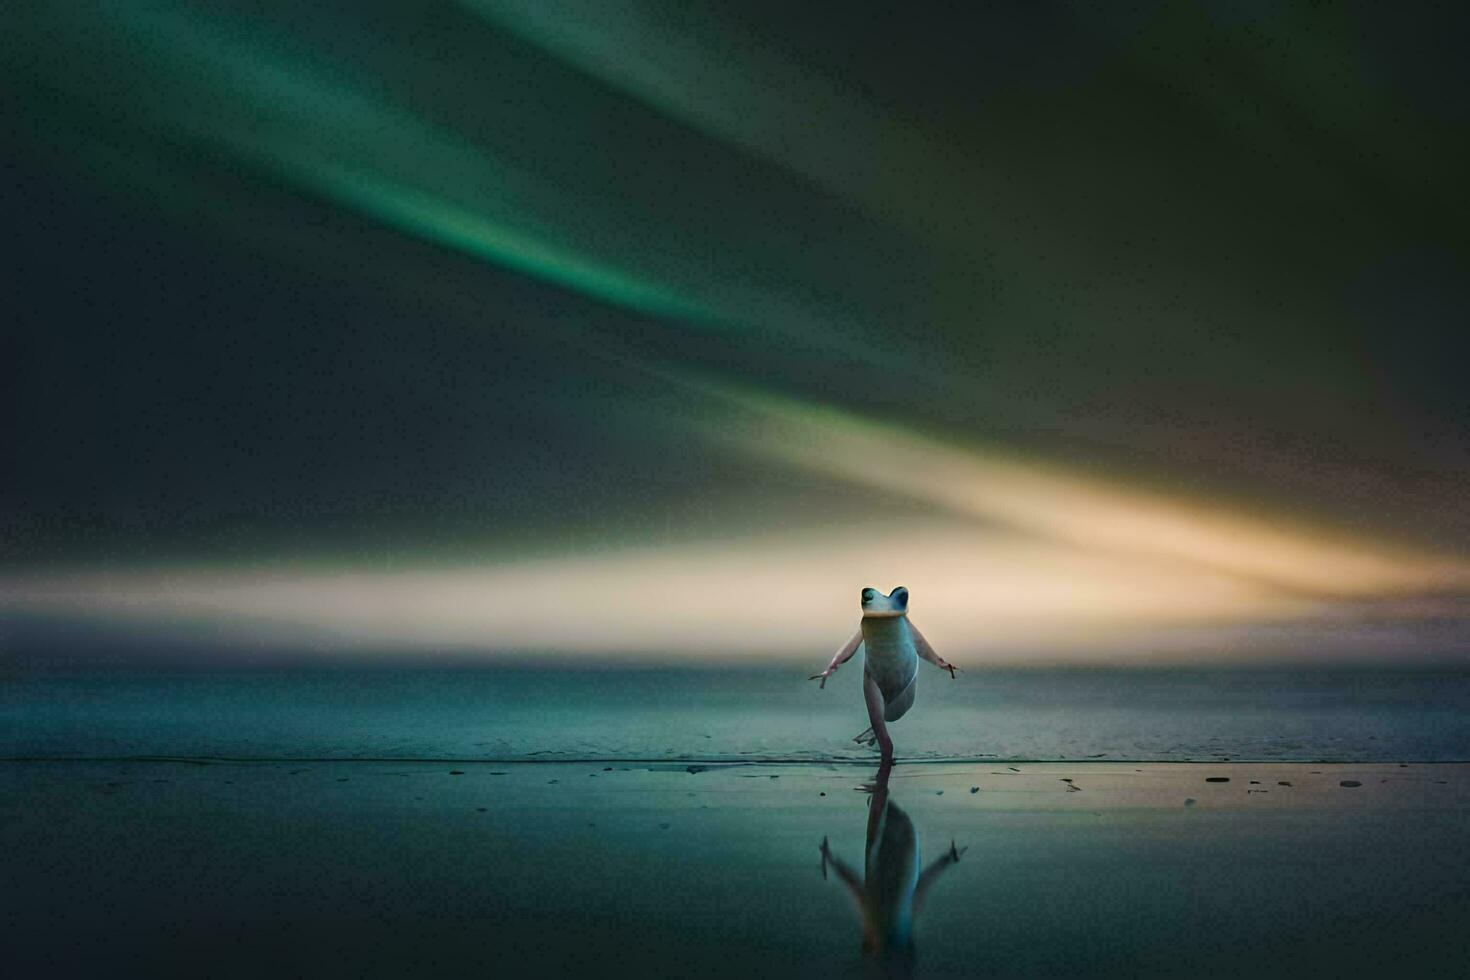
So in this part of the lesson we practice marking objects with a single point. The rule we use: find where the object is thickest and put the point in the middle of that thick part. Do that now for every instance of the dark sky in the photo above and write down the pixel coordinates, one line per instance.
(399, 284)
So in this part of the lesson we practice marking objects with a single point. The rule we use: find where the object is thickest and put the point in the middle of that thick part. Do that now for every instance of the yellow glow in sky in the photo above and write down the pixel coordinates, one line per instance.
(1016, 557)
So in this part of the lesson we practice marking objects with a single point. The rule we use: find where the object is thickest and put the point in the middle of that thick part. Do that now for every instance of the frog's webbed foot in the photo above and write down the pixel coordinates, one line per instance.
(866, 738)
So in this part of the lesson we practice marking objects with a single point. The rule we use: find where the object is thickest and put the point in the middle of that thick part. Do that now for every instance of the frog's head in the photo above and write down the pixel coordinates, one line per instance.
(876, 605)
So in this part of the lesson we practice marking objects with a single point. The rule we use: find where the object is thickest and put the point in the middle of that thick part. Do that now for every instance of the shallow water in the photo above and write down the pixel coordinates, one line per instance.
(389, 869)
(765, 712)
(360, 859)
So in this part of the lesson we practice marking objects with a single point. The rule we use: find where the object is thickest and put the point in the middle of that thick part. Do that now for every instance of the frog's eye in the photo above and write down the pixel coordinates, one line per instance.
(901, 594)
(869, 595)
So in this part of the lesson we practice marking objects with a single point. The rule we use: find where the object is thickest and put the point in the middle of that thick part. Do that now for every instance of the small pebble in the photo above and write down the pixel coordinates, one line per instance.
(456, 772)
(1217, 779)
(1283, 782)
(1349, 783)
(974, 789)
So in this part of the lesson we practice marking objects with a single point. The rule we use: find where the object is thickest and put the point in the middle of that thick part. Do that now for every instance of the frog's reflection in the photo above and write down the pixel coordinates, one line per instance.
(891, 891)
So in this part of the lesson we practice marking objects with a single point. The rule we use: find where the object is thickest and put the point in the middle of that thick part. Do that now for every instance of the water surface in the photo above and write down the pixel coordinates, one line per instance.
(757, 712)
(532, 869)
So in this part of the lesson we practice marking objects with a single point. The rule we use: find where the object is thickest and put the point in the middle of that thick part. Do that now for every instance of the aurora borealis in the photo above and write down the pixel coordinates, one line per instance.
(657, 329)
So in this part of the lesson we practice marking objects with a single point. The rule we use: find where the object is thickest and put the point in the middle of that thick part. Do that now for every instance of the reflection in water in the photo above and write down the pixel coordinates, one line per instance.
(891, 891)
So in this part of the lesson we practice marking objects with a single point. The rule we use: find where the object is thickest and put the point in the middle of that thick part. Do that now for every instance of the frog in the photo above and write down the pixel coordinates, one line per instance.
(892, 647)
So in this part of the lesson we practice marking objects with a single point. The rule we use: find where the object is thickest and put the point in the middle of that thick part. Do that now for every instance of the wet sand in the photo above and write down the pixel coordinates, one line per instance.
(131, 868)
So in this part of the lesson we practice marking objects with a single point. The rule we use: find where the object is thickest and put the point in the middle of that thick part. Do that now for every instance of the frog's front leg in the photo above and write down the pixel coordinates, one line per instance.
(845, 873)
(932, 873)
(842, 656)
(874, 698)
(925, 650)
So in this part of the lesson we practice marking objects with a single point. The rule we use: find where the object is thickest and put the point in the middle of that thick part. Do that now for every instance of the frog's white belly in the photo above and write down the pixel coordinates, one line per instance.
(890, 659)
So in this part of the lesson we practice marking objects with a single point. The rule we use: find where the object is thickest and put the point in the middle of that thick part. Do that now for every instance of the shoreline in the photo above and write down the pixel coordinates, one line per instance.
(715, 762)
(1056, 784)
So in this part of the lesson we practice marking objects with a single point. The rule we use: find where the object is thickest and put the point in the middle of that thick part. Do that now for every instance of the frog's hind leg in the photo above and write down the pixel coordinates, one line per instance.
(874, 697)
(896, 707)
